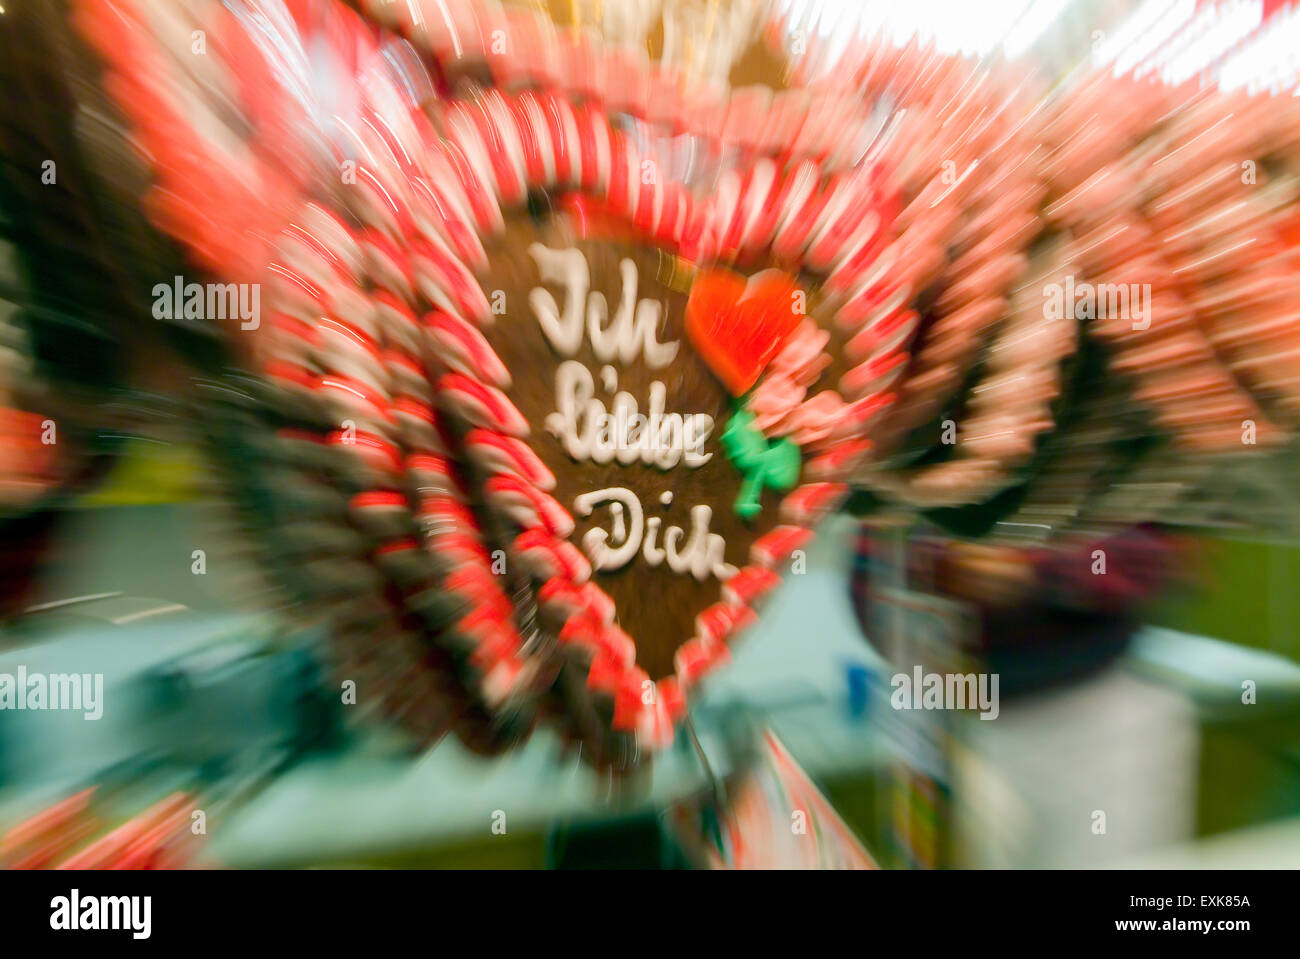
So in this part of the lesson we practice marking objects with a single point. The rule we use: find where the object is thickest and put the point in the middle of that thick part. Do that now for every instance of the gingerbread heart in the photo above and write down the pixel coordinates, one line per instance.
(647, 480)
(654, 442)
(362, 515)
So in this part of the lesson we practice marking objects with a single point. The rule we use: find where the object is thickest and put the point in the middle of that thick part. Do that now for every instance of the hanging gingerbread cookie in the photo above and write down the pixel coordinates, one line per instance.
(653, 397)
(335, 222)
(655, 390)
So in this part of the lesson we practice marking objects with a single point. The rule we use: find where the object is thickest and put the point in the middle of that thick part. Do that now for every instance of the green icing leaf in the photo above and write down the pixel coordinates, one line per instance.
(748, 505)
(761, 464)
(781, 464)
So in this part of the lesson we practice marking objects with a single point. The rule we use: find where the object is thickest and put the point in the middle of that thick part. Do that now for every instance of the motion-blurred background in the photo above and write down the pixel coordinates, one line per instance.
(1110, 543)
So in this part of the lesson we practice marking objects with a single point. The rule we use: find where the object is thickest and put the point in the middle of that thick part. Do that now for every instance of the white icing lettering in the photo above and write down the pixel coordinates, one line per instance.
(652, 553)
(631, 332)
(596, 541)
(621, 433)
(568, 267)
(702, 555)
(589, 431)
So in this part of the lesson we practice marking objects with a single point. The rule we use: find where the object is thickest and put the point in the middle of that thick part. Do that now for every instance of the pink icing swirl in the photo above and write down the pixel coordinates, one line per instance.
(778, 402)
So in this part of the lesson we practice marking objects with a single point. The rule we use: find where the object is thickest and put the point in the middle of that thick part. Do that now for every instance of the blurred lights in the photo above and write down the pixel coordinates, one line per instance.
(1150, 26)
(1215, 30)
(1270, 61)
(1032, 26)
(1174, 40)
(1225, 27)
(950, 26)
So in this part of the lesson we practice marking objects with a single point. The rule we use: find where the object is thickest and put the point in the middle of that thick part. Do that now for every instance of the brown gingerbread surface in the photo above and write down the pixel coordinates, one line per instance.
(655, 605)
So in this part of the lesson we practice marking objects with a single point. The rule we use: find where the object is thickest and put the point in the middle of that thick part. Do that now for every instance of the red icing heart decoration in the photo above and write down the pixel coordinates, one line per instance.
(738, 326)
